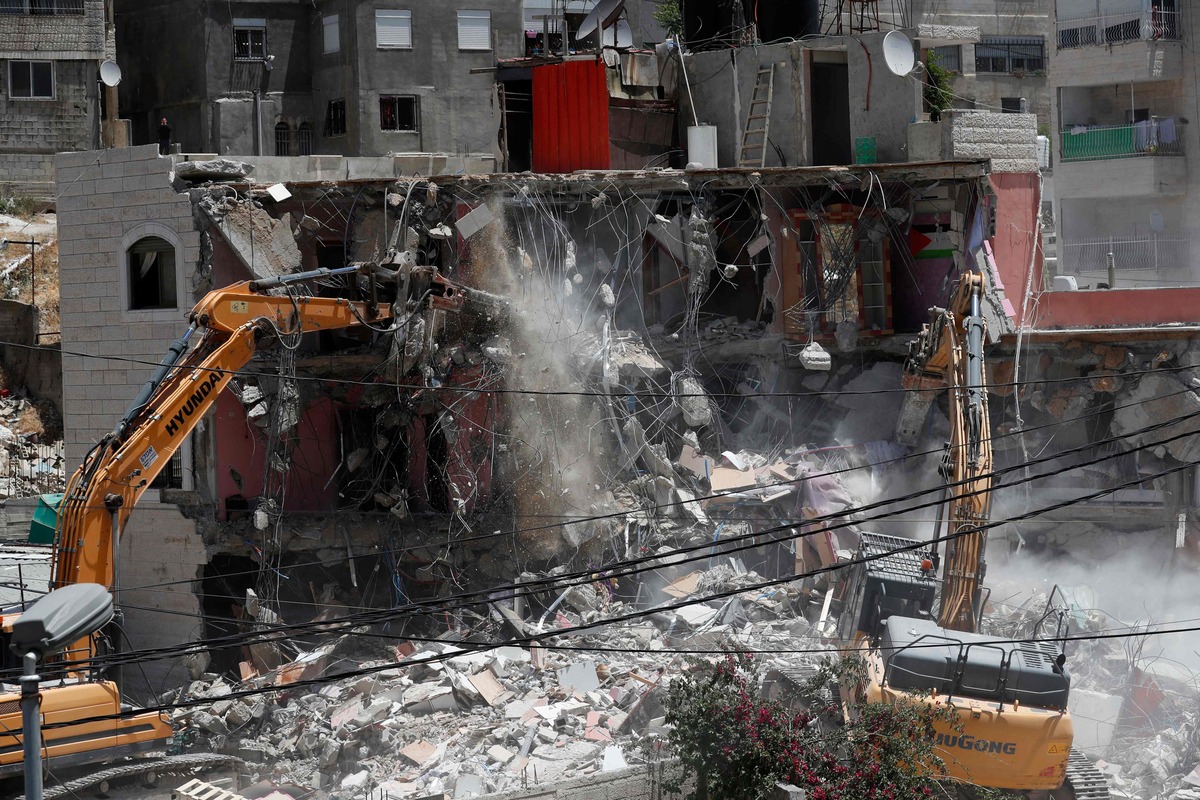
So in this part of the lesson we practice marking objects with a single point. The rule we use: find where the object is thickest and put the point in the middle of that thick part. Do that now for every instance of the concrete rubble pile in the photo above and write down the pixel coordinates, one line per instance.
(1137, 717)
(479, 721)
(30, 464)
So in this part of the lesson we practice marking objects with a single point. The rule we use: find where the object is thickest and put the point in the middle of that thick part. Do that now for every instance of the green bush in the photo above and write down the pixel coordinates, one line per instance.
(670, 16)
(737, 746)
(938, 95)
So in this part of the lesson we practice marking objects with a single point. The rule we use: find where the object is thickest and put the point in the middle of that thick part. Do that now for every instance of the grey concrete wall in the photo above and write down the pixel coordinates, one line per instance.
(68, 122)
(27, 175)
(881, 103)
(715, 102)
(456, 110)
(38, 369)
(56, 37)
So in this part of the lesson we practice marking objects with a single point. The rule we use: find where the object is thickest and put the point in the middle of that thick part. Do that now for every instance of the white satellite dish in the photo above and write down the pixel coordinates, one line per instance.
(898, 53)
(1157, 223)
(110, 73)
(603, 15)
(619, 36)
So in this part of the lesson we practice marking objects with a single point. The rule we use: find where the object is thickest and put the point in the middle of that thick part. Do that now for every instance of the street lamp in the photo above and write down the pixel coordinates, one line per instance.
(63, 616)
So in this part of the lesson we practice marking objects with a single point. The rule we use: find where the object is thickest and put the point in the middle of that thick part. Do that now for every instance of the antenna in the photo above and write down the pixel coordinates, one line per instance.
(898, 53)
(110, 73)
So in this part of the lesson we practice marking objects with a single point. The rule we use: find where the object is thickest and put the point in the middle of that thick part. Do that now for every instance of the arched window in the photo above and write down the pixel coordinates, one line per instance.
(151, 265)
(304, 142)
(283, 139)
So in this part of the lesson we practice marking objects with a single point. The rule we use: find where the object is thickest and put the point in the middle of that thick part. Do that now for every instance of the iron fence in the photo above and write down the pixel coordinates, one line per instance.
(1152, 25)
(1153, 137)
(1139, 262)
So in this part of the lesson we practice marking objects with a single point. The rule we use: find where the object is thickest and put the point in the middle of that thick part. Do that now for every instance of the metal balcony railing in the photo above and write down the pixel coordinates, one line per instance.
(1139, 262)
(1155, 137)
(41, 8)
(1116, 28)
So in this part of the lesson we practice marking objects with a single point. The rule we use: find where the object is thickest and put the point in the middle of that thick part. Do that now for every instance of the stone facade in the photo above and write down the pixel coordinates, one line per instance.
(33, 129)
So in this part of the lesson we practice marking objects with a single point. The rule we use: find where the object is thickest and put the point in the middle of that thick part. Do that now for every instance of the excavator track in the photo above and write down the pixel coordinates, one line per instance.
(156, 765)
(1085, 782)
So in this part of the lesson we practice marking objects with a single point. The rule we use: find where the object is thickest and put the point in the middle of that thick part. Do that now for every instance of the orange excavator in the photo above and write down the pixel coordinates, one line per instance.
(918, 635)
(228, 326)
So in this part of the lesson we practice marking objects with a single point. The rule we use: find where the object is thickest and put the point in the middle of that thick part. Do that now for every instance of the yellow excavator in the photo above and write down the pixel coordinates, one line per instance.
(918, 633)
(227, 327)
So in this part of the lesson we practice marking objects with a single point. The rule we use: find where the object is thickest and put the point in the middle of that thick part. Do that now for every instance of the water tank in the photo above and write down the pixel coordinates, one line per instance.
(702, 145)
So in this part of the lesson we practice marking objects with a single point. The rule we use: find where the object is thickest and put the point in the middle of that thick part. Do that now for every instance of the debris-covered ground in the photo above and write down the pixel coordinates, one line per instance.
(475, 721)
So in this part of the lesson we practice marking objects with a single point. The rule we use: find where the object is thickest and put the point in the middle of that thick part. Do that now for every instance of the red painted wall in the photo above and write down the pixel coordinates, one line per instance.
(241, 446)
(1117, 308)
(570, 117)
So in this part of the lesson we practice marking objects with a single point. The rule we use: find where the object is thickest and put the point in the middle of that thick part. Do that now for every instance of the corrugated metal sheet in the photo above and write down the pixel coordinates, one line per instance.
(570, 117)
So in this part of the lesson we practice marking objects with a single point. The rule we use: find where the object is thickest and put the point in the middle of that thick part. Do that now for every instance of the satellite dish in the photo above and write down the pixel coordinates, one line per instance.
(1157, 223)
(603, 15)
(898, 53)
(110, 73)
(619, 35)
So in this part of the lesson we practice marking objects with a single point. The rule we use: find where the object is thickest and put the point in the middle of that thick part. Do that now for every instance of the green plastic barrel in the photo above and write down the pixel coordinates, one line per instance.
(45, 519)
(864, 150)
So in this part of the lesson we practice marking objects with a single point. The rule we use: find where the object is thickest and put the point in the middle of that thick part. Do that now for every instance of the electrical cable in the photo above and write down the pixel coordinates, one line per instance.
(780, 483)
(557, 583)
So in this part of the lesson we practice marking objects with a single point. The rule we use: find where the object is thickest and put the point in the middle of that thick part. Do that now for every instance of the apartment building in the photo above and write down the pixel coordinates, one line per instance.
(50, 51)
(1004, 71)
(263, 77)
(1124, 84)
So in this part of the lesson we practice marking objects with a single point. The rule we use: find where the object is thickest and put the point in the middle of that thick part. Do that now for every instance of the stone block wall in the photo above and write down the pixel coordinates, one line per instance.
(54, 36)
(50, 126)
(107, 199)
(1009, 140)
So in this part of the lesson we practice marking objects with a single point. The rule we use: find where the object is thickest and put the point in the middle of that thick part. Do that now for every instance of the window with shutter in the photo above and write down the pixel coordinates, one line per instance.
(332, 35)
(474, 30)
(393, 29)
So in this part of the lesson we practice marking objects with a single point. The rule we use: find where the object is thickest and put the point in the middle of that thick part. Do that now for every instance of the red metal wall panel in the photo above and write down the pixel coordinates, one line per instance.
(570, 117)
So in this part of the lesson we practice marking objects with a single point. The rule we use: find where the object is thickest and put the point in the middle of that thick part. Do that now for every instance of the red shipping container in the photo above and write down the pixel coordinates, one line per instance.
(570, 116)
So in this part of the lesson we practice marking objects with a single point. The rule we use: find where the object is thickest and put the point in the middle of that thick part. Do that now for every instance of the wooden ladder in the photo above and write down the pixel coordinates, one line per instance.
(758, 122)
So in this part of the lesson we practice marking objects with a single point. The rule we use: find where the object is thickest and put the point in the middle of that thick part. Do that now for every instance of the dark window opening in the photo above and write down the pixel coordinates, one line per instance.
(516, 127)
(304, 140)
(1010, 54)
(437, 459)
(398, 113)
(31, 79)
(375, 459)
(335, 118)
(41, 8)
(151, 274)
(250, 43)
(222, 601)
(283, 139)
(171, 476)
(1137, 115)
(1010, 105)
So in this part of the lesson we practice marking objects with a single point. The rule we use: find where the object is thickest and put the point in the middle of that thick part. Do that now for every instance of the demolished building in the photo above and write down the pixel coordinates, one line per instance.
(697, 360)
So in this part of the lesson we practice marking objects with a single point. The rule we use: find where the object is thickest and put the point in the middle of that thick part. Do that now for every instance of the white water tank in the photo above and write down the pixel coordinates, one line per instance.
(702, 145)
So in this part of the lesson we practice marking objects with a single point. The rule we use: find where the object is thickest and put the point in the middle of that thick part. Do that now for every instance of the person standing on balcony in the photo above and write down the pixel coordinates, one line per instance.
(164, 138)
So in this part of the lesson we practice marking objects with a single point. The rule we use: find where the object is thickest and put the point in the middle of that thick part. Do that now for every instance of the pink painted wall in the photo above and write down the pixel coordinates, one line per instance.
(1018, 202)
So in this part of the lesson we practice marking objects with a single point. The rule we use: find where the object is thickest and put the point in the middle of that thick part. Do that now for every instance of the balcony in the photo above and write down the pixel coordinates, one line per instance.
(1121, 161)
(1103, 142)
(1139, 262)
(1118, 48)
(1109, 29)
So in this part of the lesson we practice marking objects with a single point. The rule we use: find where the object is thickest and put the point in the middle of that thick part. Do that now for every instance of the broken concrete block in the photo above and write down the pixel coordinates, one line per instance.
(500, 755)
(210, 723)
(219, 169)
(356, 781)
(579, 677)
(331, 749)
(693, 402)
(614, 759)
(419, 752)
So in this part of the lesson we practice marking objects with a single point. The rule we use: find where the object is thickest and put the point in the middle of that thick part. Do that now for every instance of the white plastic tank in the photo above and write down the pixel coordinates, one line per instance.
(702, 145)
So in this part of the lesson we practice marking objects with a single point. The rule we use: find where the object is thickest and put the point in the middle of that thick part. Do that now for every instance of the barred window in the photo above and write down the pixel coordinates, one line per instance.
(41, 7)
(283, 139)
(304, 142)
(950, 58)
(250, 39)
(1010, 54)
(335, 118)
(398, 113)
